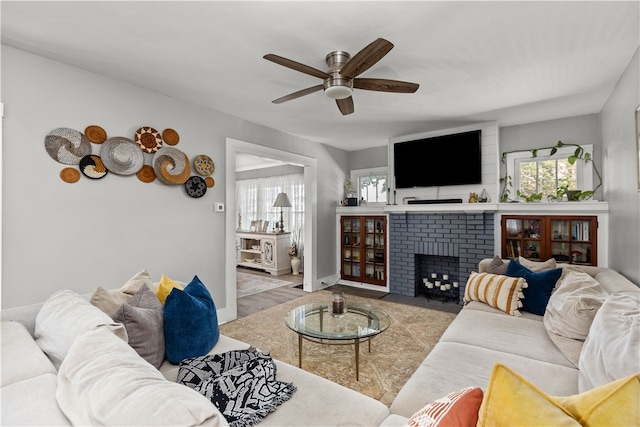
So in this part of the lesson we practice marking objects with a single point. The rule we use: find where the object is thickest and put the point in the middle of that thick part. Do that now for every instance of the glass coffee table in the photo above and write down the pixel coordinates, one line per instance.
(314, 322)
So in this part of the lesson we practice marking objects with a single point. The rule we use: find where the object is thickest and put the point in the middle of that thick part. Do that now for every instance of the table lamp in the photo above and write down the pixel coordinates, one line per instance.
(282, 201)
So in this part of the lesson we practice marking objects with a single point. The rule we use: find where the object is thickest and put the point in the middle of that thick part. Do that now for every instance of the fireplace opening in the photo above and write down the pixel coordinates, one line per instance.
(437, 277)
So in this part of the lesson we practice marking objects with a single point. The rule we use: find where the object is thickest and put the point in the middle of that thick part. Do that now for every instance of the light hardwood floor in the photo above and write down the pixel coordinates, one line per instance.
(263, 300)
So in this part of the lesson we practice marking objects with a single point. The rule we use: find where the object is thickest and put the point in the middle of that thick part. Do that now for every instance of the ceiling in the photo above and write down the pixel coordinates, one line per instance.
(512, 62)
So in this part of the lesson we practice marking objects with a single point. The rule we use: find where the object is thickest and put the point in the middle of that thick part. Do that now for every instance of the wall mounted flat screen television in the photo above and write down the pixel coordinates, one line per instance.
(442, 160)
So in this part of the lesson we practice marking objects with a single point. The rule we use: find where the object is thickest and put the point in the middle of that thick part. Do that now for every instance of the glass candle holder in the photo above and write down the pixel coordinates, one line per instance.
(338, 304)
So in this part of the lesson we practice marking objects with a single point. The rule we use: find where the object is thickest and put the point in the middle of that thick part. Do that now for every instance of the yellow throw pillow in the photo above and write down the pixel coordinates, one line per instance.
(501, 292)
(512, 400)
(164, 288)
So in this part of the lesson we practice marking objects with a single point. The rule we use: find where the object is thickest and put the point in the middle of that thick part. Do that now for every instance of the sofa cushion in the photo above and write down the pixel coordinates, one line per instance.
(142, 317)
(64, 317)
(32, 401)
(571, 310)
(452, 366)
(164, 288)
(511, 400)
(103, 381)
(540, 285)
(496, 290)
(459, 408)
(190, 322)
(21, 357)
(610, 351)
(496, 330)
(109, 300)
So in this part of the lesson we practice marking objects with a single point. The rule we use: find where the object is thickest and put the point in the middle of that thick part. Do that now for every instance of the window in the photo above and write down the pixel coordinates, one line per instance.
(545, 173)
(371, 184)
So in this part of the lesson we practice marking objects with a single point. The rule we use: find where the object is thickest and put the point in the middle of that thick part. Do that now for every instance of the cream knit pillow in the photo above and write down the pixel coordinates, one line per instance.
(501, 292)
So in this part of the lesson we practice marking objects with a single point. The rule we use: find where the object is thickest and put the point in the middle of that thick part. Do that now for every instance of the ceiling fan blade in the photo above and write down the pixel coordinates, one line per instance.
(385, 85)
(298, 94)
(296, 66)
(345, 105)
(366, 58)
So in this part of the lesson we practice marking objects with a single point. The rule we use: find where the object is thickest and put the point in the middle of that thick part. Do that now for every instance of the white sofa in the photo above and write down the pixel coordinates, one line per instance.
(477, 339)
(481, 336)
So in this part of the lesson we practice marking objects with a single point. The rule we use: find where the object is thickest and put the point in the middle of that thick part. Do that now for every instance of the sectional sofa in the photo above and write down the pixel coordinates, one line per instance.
(98, 378)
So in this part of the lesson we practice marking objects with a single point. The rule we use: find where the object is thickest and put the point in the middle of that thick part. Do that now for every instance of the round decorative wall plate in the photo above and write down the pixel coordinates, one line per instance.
(170, 136)
(95, 134)
(148, 139)
(70, 175)
(204, 165)
(210, 182)
(172, 166)
(146, 174)
(121, 156)
(67, 146)
(195, 186)
(92, 167)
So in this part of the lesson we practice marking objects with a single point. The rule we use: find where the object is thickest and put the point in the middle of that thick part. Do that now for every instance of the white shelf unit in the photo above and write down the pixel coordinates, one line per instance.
(264, 251)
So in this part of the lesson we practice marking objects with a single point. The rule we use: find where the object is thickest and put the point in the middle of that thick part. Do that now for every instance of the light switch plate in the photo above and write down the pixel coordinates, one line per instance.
(218, 207)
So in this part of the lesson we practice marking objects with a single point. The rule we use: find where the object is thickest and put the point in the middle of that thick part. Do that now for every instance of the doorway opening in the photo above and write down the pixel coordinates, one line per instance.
(308, 165)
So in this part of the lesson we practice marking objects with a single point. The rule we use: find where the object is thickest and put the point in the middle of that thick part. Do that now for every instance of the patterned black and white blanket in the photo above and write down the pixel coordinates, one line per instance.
(242, 384)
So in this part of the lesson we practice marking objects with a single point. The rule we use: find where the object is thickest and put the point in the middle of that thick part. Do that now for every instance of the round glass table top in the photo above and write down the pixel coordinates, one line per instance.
(360, 322)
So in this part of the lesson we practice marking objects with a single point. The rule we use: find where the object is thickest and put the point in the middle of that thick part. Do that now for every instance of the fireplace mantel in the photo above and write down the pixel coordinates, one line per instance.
(542, 208)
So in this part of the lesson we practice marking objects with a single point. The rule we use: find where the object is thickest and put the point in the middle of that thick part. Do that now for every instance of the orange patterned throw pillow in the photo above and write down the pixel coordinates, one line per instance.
(459, 408)
(501, 292)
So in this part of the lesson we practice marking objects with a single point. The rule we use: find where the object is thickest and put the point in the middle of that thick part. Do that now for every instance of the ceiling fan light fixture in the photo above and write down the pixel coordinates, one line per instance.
(337, 87)
(338, 92)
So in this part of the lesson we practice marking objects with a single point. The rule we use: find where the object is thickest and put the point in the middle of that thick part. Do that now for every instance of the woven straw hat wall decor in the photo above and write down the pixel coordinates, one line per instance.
(125, 156)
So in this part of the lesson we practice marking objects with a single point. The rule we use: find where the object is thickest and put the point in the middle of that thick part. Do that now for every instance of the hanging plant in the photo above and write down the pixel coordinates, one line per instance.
(575, 195)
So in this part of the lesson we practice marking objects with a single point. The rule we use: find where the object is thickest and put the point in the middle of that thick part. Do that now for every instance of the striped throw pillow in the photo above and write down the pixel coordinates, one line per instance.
(501, 292)
(459, 408)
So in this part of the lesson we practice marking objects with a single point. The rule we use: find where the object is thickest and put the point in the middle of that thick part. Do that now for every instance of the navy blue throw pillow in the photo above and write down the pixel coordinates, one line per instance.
(190, 322)
(540, 286)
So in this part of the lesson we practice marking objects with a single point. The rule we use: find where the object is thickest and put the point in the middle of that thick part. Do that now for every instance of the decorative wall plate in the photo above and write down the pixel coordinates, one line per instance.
(121, 156)
(70, 175)
(95, 134)
(170, 136)
(210, 182)
(148, 139)
(92, 167)
(67, 146)
(172, 166)
(204, 165)
(195, 186)
(146, 174)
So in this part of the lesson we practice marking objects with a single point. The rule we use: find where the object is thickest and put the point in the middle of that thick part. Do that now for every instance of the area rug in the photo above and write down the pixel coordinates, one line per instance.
(395, 354)
(248, 284)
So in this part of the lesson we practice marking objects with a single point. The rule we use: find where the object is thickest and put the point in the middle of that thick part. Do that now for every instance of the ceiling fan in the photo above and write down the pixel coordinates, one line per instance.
(341, 77)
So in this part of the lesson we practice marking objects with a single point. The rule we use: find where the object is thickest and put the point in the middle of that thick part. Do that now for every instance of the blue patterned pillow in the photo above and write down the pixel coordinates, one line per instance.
(541, 284)
(190, 322)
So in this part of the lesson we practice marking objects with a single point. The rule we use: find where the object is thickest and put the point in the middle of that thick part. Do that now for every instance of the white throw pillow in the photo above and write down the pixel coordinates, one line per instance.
(573, 305)
(103, 381)
(65, 316)
(571, 310)
(537, 266)
(610, 351)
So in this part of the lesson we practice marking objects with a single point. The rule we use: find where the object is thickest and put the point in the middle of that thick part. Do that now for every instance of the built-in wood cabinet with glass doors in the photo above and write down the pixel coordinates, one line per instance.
(363, 249)
(568, 239)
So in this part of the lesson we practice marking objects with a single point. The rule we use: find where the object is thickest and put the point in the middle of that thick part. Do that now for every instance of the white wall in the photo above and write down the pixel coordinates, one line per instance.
(99, 233)
(581, 130)
(621, 172)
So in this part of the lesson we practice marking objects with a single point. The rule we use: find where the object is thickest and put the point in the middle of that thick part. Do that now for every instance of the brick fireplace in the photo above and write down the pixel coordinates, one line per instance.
(445, 243)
